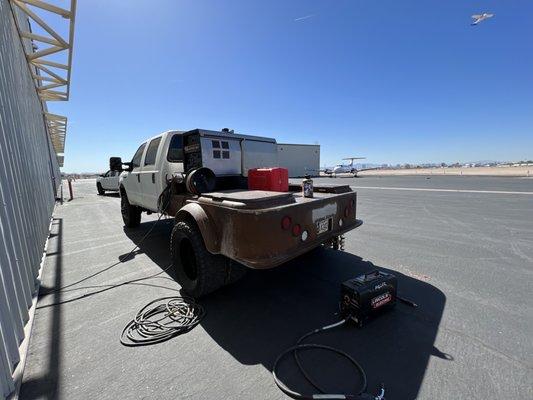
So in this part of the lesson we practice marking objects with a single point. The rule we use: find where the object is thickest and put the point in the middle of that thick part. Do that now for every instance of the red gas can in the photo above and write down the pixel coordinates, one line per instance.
(271, 179)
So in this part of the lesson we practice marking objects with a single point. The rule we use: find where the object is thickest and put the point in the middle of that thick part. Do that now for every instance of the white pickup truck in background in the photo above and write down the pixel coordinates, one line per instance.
(108, 181)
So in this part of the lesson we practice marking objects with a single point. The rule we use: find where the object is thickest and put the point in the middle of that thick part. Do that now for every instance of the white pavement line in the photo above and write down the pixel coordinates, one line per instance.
(96, 247)
(94, 238)
(442, 190)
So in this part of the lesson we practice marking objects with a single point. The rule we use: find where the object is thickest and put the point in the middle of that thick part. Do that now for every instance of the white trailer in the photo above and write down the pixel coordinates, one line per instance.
(299, 159)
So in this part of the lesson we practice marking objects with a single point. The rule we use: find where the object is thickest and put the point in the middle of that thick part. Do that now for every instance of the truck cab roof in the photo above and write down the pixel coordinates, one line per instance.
(169, 132)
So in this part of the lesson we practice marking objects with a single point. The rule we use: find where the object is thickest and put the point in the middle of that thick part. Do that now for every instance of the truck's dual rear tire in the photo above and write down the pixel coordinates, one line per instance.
(131, 215)
(197, 270)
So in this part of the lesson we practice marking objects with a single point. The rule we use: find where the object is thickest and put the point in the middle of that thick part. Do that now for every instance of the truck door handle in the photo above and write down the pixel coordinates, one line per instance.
(153, 177)
(139, 178)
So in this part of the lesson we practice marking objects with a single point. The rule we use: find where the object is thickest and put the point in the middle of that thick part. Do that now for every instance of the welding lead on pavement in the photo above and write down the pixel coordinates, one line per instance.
(360, 395)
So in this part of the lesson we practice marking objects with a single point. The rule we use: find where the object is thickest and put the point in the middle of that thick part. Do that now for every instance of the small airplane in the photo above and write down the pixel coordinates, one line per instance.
(347, 168)
(480, 17)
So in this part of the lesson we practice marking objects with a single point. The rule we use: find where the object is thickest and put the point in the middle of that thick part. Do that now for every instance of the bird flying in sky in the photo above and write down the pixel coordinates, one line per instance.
(480, 17)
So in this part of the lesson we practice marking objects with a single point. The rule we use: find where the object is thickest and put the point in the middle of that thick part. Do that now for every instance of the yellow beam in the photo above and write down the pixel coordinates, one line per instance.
(56, 125)
(48, 7)
(39, 21)
(40, 38)
(45, 52)
(50, 64)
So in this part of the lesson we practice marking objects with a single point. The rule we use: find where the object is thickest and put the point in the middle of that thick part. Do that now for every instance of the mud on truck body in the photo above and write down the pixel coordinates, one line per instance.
(221, 227)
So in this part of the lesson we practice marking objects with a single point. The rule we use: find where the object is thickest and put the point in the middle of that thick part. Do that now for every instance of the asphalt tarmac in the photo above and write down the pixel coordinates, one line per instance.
(462, 248)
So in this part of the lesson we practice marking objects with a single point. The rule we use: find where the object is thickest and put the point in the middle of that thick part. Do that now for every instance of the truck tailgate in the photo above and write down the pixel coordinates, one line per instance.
(265, 231)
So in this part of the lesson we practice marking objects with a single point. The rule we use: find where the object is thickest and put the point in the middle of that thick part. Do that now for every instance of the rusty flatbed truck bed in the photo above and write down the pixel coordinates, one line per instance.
(247, 226)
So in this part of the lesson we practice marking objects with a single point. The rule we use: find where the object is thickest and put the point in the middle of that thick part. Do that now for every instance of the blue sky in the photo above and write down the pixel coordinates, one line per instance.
(392, 80)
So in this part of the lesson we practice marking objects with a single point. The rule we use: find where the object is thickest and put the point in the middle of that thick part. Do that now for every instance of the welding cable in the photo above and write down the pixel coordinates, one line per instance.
(104, 288)
(308, 346)
(122, 260)
(161, 320)
(161, 211)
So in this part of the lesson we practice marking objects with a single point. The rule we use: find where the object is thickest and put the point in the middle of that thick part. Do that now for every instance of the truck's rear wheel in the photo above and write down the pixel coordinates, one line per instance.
(131, 215)
(100, 189)
(197, 270)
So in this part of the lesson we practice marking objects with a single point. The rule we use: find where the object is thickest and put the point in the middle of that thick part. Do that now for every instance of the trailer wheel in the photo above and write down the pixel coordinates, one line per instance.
(100, 189)
(197, 270)
(131, 215)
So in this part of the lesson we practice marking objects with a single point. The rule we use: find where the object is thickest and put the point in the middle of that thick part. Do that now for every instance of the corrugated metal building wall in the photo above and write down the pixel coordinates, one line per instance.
(29, 176)
(299, 159)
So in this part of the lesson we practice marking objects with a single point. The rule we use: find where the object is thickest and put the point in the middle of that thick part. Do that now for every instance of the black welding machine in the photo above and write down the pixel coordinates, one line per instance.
(367, 295)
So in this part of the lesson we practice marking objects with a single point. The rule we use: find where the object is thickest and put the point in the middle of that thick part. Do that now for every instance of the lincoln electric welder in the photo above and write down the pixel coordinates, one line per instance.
(361, 297)
(367, 295)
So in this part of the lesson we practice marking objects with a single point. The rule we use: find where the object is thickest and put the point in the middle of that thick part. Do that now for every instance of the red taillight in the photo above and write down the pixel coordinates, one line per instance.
(286, 223)
(296, 230)
(347, 211)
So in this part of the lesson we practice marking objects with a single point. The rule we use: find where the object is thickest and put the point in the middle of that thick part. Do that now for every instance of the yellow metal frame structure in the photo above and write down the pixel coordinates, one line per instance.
(52, 78)
(57, 128)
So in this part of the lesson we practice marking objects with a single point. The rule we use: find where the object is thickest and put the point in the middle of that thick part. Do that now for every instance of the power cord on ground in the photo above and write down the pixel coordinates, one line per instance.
(104, 287)
(161, 319)
(122, 260)
(162, 206)
(360, 395)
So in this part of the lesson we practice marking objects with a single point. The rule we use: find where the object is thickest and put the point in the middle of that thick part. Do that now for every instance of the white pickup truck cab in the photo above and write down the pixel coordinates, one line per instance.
(150, 169)
(108, 182)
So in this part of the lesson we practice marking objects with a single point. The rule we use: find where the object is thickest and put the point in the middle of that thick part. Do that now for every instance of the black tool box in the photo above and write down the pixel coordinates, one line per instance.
(367, 295)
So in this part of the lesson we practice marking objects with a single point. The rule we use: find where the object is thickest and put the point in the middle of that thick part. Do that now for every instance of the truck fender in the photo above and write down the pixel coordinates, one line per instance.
(197, 213)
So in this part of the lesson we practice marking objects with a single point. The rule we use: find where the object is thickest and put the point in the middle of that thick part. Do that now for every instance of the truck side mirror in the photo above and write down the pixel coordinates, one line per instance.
(115, 164)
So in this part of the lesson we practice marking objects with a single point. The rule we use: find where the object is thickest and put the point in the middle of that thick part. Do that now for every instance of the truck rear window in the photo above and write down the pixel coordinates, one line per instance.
(175, 150)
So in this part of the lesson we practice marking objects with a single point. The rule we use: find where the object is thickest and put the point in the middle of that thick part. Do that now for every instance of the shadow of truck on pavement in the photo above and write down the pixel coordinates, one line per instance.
(267, 311)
